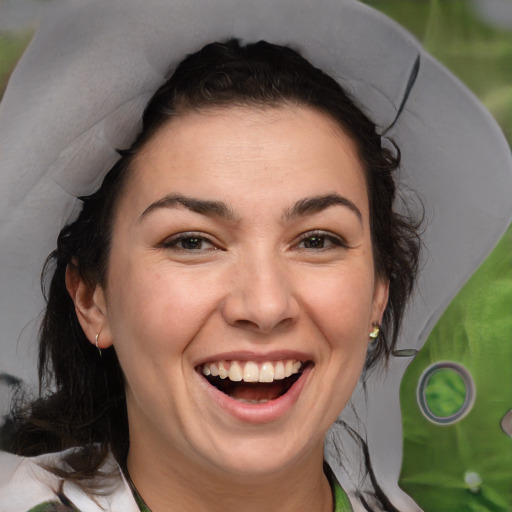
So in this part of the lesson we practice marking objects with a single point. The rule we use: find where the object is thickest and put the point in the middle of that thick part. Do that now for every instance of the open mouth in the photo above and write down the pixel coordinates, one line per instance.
(251, 382)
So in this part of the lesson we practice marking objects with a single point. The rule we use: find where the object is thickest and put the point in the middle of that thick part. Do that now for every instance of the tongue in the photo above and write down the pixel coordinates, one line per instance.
(257, 391)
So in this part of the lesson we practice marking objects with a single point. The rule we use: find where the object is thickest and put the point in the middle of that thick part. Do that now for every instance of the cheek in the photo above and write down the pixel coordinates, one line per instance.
(341, 302)
(340, 307)
(153, 319)
(154, 309)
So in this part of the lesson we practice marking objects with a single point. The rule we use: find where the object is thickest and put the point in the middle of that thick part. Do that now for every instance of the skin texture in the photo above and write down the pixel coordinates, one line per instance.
(254, 283)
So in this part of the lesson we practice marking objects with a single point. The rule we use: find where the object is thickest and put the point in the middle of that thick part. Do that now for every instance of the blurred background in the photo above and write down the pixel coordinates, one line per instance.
(456, 395)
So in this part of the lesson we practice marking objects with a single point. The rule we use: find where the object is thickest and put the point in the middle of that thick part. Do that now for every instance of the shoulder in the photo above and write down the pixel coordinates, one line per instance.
(24, 483)
(27, 486)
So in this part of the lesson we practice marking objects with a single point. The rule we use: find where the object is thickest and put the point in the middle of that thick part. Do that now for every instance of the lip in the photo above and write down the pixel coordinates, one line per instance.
(257, 413)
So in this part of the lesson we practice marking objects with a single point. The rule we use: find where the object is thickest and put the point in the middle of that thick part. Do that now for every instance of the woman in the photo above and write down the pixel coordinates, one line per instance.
(214, 304)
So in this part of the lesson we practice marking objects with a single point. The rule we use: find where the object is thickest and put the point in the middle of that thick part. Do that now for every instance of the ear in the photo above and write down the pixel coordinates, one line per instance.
(90, 307)
(380, 300)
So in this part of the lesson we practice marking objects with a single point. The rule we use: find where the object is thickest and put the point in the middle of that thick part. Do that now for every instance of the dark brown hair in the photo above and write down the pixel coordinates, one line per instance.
(82, 401)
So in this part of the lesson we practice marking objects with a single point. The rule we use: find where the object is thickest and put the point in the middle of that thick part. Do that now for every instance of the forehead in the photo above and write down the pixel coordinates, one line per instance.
(241, 154)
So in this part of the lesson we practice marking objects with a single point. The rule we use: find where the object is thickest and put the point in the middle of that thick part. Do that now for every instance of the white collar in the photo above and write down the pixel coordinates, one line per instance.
(24, 483)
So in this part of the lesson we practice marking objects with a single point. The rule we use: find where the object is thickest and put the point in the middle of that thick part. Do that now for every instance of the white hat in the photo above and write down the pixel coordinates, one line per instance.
(79, 91)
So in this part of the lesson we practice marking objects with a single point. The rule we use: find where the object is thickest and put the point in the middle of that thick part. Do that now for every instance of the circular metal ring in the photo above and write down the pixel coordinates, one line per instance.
(469, 398)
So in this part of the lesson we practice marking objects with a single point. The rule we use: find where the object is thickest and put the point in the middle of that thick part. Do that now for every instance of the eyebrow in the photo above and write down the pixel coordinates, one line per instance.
(316, 204)
(202, 206)
(303, 207)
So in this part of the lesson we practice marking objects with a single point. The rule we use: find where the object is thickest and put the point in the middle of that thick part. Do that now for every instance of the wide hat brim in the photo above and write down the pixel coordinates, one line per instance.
(79, 91)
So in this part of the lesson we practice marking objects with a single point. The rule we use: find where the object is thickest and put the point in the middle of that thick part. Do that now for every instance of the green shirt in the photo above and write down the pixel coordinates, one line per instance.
(341, 501)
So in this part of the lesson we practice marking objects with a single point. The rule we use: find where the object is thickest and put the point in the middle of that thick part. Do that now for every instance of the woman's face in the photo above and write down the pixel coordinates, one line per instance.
(241, 247)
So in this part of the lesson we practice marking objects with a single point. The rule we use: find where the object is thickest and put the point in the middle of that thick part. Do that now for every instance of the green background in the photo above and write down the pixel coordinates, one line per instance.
(476, 329)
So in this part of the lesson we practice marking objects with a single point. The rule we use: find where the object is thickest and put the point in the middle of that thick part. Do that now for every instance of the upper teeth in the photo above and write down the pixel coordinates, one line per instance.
(250, 371)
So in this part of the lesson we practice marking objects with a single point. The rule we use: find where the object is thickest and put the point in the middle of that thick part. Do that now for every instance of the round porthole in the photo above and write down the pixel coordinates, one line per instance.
(446, 392)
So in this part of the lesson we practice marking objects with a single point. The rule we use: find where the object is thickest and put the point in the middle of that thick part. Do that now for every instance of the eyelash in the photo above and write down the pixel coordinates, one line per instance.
(322, 236)
(315, 237)
(174, 241)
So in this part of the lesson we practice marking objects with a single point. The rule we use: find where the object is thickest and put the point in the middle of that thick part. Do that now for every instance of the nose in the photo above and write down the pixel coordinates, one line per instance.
(261, 298)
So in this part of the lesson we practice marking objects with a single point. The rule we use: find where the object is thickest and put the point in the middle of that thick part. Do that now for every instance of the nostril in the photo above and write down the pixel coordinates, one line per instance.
(246, 324)
(262, 303)
(265, 327)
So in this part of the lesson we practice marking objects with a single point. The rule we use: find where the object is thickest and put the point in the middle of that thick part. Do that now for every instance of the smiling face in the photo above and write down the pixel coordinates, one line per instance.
(241, 289)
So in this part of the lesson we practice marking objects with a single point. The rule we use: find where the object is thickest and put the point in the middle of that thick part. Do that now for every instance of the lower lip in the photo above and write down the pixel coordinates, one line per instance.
(259, 413)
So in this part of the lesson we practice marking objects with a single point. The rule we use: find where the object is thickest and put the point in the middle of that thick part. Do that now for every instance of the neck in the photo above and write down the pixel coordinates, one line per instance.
(173, 487)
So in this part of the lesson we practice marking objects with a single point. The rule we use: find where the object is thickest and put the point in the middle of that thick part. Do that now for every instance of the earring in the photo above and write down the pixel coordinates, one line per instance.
(96, 340)
(375, 333)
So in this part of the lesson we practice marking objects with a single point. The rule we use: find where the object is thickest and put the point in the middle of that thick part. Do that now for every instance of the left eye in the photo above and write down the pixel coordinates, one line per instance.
(320, 241)
(189, 243)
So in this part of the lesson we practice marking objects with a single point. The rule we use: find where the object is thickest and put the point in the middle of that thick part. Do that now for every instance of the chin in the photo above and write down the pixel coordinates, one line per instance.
(266, 456)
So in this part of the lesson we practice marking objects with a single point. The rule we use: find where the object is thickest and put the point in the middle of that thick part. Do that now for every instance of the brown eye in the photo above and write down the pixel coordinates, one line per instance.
(314, 242)
(189, 242)
(321, 241)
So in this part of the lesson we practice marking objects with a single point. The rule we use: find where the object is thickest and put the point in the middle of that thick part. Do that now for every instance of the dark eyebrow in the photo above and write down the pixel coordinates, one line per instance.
(202, 206)
(316, 204)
